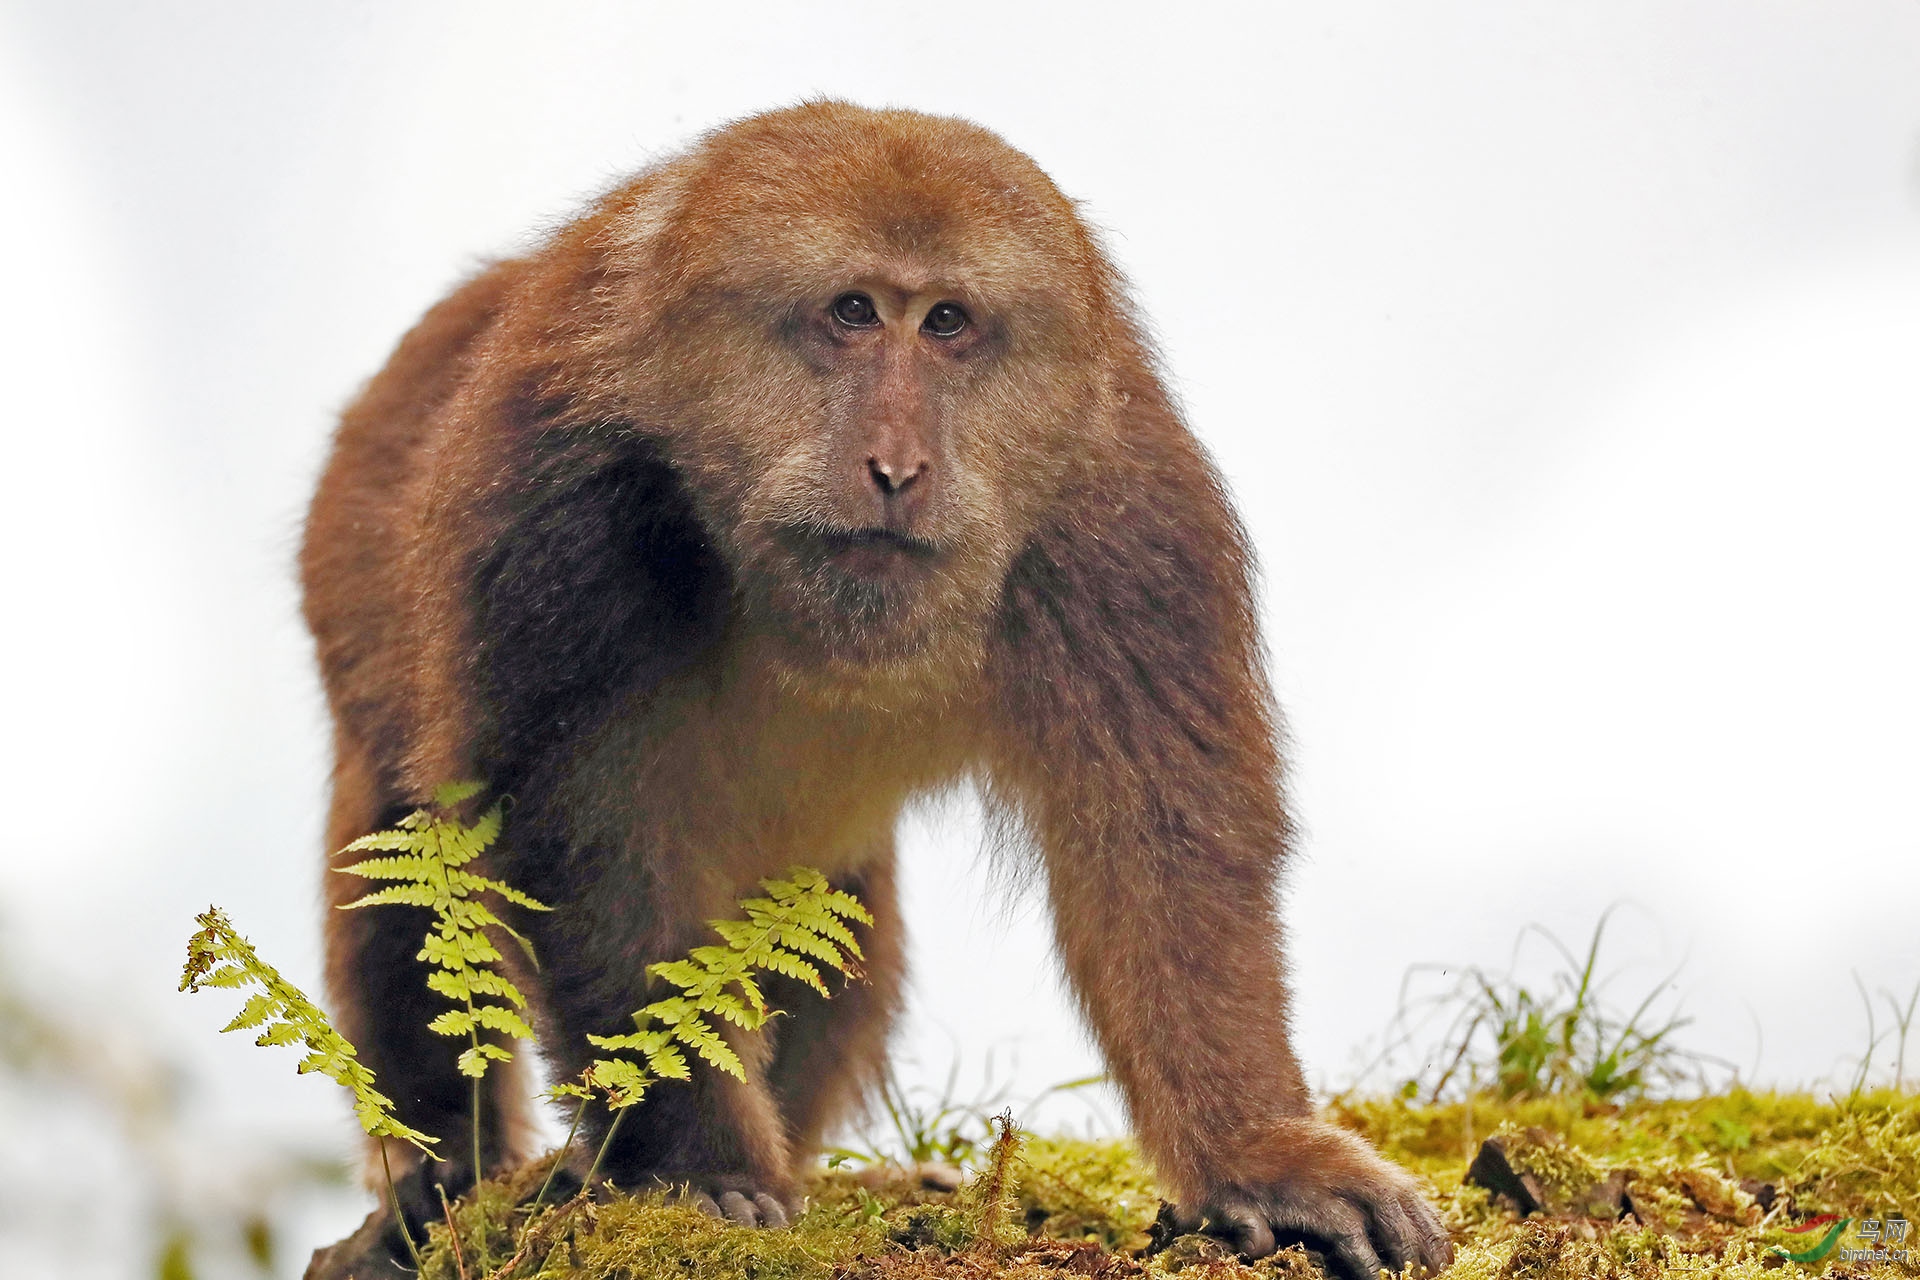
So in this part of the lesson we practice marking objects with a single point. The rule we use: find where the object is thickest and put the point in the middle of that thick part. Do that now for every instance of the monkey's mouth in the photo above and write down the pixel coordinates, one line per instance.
(872, 552)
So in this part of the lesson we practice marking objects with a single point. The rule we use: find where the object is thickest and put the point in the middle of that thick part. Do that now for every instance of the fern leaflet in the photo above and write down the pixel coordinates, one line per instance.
(217, 956)
(800, 921)
(429, 852)
(426, 857)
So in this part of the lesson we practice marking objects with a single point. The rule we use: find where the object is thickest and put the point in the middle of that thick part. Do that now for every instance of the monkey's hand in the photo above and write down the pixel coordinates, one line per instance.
(1311, 1182)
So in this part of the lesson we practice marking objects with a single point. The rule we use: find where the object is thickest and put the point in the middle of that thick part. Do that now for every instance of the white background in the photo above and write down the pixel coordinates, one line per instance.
(1564, 360)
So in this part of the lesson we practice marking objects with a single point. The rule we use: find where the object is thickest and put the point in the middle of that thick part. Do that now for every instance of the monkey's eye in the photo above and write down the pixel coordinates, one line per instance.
(855, 310)
(944, 320)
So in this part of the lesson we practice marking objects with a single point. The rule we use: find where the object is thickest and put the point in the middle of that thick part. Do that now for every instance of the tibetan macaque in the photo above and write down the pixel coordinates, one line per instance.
(818, 468)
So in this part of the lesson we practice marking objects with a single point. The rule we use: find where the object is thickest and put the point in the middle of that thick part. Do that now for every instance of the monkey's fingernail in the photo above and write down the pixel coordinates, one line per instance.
(739, 1209)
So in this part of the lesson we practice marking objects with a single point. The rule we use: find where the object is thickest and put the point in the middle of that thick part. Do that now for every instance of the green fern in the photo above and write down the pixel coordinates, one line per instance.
(795, 930)
(217, 956)
(426, 857)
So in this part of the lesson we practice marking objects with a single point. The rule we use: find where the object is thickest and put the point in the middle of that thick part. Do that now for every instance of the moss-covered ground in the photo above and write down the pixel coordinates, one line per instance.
(1712, 1186)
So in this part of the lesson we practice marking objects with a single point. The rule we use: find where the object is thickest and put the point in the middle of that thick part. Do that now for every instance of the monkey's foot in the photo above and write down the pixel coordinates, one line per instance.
(1328, 1189)
(735, 1198)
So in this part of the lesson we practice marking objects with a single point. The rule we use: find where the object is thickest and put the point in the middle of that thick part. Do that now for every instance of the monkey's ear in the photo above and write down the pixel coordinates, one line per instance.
(601, 582)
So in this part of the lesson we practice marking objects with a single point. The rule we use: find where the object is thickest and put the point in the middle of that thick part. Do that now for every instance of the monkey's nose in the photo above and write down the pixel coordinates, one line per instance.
(890, 478)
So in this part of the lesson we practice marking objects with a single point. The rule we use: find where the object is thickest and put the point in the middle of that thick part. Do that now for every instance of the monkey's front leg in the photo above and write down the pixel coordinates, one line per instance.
(1172, 944)
(1135, 738)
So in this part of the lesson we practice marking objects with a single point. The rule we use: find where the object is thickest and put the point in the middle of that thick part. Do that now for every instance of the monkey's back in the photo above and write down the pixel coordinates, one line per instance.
(358, 600)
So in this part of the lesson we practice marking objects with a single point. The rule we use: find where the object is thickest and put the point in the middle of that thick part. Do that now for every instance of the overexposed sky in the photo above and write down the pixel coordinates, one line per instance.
(1564, 360)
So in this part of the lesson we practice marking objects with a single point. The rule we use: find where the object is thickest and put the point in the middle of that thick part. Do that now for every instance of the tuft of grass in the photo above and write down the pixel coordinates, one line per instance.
(1899, 1033)
(1497, 1034)
(913, 1126)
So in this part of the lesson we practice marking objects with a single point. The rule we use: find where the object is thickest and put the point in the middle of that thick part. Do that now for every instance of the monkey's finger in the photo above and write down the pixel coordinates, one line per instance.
(738, 1209)
(1247, 1230)
(704, 1203)
(1343, 1232)
(1436, 1249)
(1354, 1257)
(772, 1214)
(1393, 1235)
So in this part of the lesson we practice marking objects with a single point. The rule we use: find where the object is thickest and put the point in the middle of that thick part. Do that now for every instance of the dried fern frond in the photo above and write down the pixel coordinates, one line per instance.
(217, 956)
(426, 857)
(797, 928)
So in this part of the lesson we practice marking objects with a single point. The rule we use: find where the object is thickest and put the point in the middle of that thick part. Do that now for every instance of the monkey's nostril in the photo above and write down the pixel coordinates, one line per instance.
(891, 479)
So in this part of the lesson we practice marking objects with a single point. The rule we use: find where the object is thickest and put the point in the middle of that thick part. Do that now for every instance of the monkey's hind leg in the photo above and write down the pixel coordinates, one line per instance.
(830, 1055)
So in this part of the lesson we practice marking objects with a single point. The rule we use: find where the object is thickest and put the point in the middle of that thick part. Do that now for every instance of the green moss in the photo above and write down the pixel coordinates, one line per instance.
(1071, 1189)
(1074, 1207)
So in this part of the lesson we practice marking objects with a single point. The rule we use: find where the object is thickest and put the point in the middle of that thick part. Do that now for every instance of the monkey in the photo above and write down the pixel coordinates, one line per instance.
(819, 467)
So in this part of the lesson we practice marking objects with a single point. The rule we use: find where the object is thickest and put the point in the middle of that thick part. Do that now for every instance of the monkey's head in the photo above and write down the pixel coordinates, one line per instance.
(876, 343)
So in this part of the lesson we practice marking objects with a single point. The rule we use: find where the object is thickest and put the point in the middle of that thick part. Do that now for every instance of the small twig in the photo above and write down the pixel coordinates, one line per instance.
(537, 1231)
(1903, 1021)
(560, 1156)
(399, 1218)
(1466, 1042)
(601, 1154)
(453, 1231)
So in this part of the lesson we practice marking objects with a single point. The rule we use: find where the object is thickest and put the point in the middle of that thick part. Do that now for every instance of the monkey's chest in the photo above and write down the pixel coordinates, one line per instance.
(731, 790)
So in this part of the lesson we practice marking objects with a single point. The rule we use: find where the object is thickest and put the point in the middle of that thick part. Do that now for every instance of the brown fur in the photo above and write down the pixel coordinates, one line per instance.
(711, 583)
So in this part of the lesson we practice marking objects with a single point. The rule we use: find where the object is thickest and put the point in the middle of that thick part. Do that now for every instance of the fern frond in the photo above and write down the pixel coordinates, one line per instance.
(217, 956)
(793, 966)
(451, 794)
(442, 953)
(698, 1035)
(473, 1060)
(426, 856)
(623, 1082)
(795, 931)
(406, 895)
(669, 1063)
(403, 866)
(400, 841)
(498, 1017)
(681, 973)
(806, 942)
(485, 982)
(453, 1022)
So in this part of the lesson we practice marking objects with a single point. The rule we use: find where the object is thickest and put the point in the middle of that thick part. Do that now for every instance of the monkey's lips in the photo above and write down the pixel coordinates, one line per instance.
(875, 552)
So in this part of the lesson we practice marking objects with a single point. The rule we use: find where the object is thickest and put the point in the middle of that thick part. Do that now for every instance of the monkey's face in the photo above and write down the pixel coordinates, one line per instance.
(882, 367)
